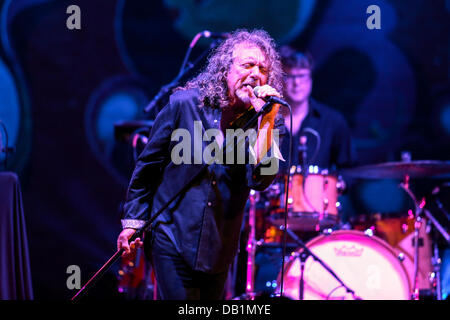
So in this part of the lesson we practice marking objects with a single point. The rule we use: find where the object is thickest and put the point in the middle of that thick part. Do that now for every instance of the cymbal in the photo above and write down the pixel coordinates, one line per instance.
(399, 170)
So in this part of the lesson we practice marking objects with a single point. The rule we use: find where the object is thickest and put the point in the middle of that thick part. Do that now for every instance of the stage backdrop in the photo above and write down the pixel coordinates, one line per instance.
(65, 82)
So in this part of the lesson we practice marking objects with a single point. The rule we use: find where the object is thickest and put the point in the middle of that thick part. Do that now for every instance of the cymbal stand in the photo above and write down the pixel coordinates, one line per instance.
(442, 230)
(436, 262)
(417, 224)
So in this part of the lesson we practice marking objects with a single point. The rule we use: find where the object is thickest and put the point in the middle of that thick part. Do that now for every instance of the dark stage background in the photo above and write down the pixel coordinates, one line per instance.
(62, 91)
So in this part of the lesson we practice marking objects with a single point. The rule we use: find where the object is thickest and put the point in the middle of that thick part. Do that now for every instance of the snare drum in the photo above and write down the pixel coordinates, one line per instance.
(313, 201)
(366, 264)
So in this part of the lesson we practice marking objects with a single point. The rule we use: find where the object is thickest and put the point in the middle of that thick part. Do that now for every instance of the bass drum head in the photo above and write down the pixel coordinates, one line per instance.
(365, 264)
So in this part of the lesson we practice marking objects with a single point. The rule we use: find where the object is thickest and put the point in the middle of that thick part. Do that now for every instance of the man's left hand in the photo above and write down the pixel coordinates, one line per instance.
(264, 91)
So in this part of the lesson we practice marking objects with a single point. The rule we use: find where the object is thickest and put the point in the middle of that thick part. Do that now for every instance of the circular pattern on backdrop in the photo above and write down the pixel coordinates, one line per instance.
(10, 113)
(284, 20)
(118, 99)
(140, 42)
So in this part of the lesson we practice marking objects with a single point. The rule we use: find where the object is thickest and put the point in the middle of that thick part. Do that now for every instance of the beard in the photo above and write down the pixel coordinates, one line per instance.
(243, 96)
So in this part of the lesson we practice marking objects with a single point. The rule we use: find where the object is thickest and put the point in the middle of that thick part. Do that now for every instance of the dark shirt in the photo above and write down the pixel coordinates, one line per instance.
(331, 147)
(204, 222)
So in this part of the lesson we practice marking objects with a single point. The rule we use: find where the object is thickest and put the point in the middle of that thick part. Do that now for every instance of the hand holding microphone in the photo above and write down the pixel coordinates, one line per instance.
(269, 94)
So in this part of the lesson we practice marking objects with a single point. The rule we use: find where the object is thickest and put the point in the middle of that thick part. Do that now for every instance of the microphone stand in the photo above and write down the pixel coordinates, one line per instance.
(139, 232)
(302, 148)
(304, 256)
(166, 89)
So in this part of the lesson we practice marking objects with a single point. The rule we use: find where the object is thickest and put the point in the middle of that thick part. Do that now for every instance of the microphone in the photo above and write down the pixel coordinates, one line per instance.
(271, 99)
(215, 35)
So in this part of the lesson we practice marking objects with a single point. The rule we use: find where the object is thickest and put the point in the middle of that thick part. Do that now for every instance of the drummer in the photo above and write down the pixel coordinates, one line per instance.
(323, 130)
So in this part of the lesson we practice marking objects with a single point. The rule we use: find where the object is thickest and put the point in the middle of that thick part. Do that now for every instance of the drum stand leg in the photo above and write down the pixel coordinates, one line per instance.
(436, 261)
(251, 249)
(419, 212)
(303, 256)
(439, 230)
(417, 224)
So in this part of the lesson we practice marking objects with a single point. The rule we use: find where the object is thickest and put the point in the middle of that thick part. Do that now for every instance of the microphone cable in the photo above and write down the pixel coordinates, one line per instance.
(286, 197)
(317, 136)
(306, 167)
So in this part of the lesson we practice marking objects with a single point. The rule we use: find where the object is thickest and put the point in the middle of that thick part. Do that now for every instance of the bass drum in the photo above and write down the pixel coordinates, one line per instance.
(366, 264)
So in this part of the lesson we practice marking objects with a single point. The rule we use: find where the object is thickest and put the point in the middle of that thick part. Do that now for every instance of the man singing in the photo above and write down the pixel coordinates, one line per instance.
(193, 242)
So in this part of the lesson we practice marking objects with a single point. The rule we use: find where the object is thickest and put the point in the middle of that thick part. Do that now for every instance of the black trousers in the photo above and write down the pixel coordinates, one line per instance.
(176, 280)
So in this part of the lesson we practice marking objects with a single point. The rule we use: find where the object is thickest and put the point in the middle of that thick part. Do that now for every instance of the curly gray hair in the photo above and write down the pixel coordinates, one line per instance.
(212, 81)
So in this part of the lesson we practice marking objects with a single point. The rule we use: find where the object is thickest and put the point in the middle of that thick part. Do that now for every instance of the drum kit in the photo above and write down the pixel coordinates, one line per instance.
(379, 257)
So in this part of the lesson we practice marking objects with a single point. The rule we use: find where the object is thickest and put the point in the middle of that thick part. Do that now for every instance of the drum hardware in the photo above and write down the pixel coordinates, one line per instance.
(397, 229)
(441, 208)
(318, 183)
(368, 264)
(369, 232)
(436, 263)
(327, 231)
(398, 285)
(405, 170)
(398, 170)
(312, 204)
(303, 255)
(252, 244)
(341, 186)
(418, 216)
(251, 247)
